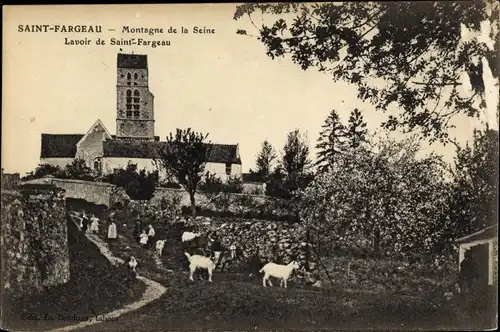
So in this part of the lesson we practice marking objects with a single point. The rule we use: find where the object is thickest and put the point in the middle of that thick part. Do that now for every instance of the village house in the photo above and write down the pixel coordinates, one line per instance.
(135, 139)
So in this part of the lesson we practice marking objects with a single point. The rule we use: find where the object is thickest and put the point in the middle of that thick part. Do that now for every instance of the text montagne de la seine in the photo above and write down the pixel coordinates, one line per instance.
(114, 41)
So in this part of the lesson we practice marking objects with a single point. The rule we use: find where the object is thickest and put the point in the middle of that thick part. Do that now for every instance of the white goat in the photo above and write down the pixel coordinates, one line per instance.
(188, 236)
(201, 262)
(159, 246)
(282, 272)
(132, 263)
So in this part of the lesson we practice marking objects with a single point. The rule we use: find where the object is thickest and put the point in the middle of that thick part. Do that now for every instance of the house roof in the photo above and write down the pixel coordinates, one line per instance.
(220, 153)
(484, 234)
(59, 145)
(133, 61)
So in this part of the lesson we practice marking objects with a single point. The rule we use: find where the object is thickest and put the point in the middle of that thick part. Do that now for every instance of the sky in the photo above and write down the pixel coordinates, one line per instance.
(222, 84)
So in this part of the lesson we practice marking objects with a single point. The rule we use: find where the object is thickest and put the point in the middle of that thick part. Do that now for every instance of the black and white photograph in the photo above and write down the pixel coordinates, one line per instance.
(250, 166)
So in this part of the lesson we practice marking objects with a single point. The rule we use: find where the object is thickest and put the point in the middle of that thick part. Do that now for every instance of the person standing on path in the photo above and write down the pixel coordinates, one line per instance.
(94, 225)
(138, 230)
(143, 239)
(151, 236)
(112, 234)
(85, 222)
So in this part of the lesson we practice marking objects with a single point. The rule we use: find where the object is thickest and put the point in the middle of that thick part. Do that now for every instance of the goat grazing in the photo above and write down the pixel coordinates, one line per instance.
(159, 246)
(188, 236)
(200, 262)
(282, 272)
(132, 263)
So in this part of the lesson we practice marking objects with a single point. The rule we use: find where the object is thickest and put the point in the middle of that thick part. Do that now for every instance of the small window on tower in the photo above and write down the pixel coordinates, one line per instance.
(129, 100)
(136, 107)
(136, 76)
(129, 107)
(129, 114)
(129, 93)
(136, 114)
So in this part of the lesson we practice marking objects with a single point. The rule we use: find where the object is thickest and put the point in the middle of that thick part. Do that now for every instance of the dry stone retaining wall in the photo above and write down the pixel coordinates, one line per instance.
(34, 241)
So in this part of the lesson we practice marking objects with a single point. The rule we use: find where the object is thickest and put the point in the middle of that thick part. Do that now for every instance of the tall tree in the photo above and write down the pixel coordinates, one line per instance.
(474, 199)
(184, 157)
(295, 160)
(383, 194)
(265, 159)
(330, 141)
(356, 129)
(415, 48)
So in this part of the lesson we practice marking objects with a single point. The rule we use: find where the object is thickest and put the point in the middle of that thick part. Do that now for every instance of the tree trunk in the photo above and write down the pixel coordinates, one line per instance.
(376, 242)
(193, 204)
(307, 251)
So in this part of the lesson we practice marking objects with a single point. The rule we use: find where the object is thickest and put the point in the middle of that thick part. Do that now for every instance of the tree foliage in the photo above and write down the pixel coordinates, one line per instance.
(265, 160)
(414, 48)
(380, 198)
(138, 184)
(211, 183)
(184, 157)
(474, 197)
(330, 141)
(295, 160)
(77, 169)
(336, 138)
(43, 170)
(356, 131)
(293, 170)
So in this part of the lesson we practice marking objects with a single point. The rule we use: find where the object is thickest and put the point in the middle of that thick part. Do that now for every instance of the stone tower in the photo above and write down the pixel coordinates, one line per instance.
(134, 101)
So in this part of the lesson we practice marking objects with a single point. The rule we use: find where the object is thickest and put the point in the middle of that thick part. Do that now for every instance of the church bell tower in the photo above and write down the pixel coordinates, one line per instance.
(135, 109)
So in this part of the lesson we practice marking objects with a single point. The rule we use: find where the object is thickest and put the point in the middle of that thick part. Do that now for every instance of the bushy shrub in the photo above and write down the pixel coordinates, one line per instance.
(172, 185)
(233, 185)
(213, 184)
(139, 185)
(44, 170)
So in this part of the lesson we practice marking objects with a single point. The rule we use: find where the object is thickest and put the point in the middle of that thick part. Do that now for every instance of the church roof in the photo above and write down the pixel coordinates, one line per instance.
(220, 153)
(59, 145)
(134, 61)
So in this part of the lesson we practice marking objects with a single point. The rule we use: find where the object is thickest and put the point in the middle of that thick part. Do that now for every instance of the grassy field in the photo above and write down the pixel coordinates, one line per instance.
(95, 287)
(236, 301)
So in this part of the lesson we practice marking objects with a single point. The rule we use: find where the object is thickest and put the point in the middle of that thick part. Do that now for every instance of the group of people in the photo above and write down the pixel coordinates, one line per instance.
(91, 224)
(145, 237)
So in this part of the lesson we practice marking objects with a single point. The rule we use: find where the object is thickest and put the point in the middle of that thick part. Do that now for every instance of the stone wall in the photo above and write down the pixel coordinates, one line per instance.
(98, 193)
(34, 240)
(202, 199)
(278, 242)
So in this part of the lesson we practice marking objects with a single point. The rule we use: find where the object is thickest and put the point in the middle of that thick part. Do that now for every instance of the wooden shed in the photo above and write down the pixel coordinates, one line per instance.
(484, 245)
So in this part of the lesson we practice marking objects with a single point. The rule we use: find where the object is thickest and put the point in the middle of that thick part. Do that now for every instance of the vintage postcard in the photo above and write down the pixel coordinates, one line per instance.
(299, 166)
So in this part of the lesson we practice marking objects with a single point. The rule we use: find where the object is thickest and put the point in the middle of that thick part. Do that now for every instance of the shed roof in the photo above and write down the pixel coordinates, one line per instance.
(485, 234)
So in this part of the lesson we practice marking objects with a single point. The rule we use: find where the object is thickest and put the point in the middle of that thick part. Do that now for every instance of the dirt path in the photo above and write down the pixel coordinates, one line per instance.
(153, 291)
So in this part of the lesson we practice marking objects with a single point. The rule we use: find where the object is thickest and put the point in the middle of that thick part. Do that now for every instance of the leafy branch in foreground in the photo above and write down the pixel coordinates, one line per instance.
(414, 48)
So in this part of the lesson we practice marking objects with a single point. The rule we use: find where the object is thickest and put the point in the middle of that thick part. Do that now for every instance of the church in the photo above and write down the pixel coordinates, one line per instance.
(135, 139)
